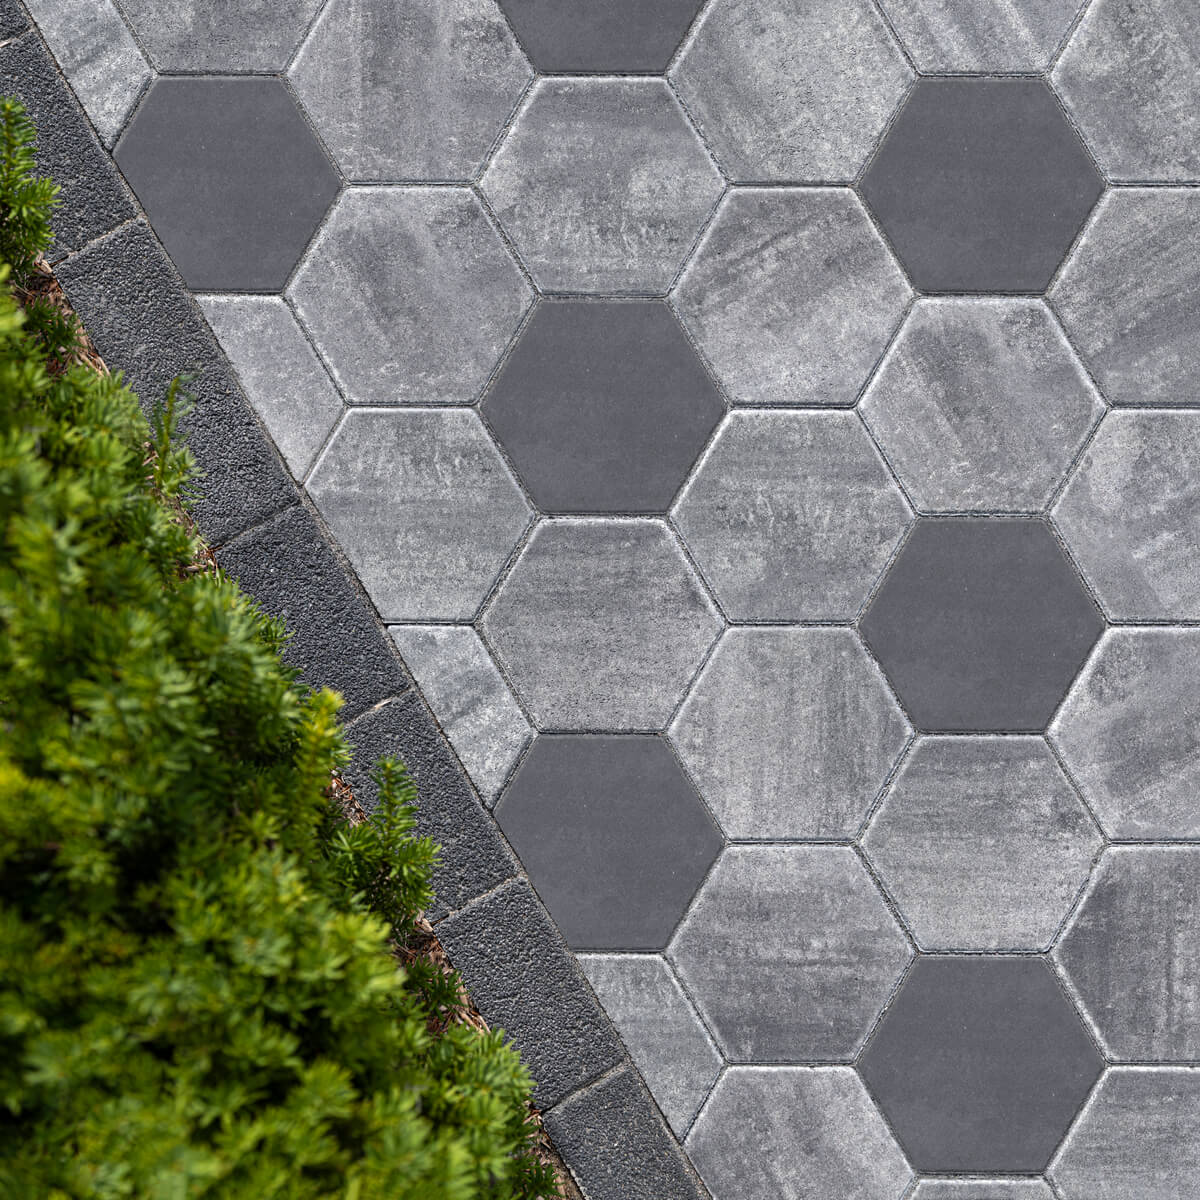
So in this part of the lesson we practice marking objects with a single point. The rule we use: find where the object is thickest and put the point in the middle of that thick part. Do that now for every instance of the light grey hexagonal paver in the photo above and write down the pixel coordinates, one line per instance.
(601, 625)
(981, 405)
(983, 1189)
(796, 1133)
(410, 295)
(792, 91)
(1138, 1138)
(791, 516)
(602, 185)
(1129, 732)
(792, 296)
(1131, 515)
(408, 90)
(982, 843)
(666, 1040)
(790, 733)
(790, 953)
(424, 507)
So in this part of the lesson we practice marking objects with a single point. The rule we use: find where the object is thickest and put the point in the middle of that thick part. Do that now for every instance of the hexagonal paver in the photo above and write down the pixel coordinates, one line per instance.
(981, 624)
(424, 507)
(790, 733)
(792, 296)
(980, 1064)
(791, 516)
(195, 153)
(981, 404)
(796, 1133)
(1132, 954)
(1130, 733)
(1138, 1139)
(792, 90)
(1129, 77)
(1127, 295)
(983, 1189)
(982, 843)
(602, 184)
(1131, 515)
(410, 295)
(601, 624)
(613, 837)
(790, 953)
(603, 406)
(981, 185)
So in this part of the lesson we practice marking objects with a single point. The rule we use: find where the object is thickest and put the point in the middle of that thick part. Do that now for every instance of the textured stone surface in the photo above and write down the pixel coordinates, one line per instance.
(424, 507)
(405, 89)
(980, 1064)
(981, 624)
(410, 295)
(796, 1133)
(983, 1189)
(13, 19)
(1131, 515)
(792, 90)
(792, 296)
(602, 184)
(656, 1021)
(790, 953)
(790, 733)
(981, 185)
(980, 405)
(602, 406)
(791, 516)
(1131, 952)
(982, 843)
(601, 625)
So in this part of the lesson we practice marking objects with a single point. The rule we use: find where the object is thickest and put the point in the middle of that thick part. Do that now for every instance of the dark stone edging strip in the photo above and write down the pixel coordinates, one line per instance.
(522, 976)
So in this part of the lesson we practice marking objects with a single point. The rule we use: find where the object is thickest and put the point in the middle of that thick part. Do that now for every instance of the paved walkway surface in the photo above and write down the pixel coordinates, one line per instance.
(770, 432)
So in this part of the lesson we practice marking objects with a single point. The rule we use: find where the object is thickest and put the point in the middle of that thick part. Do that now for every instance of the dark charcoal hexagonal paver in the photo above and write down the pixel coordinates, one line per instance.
(981, 624)
(231, 178)
(603, 406)
(980, 1064)
(613, 836)
(981, 185)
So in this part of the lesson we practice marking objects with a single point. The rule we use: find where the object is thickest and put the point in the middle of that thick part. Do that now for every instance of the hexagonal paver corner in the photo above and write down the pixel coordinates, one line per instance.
(1132, 956)
(981, 405)
(790, 733)
(981, 624)
(795, 1133)
(410, 295)
(601, 624)
(982, 843)
(790, 953)
(792, 90)
(980, 1064)
(196, 152)
(792, 296)
(603, 406)
(424, 507)
(791, 516)
(981, 185)
(602, 185)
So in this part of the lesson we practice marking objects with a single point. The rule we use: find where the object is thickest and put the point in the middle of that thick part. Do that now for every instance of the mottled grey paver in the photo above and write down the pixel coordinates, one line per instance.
(983, 1189)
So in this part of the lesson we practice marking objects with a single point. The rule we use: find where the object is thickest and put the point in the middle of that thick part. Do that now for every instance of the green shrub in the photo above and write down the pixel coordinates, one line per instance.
(199, 986)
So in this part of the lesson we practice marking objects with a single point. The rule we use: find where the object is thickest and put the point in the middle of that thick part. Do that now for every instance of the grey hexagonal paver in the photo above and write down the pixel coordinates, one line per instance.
(790, 733)
(796, 1133)
(982, 843)
(601, 624)
(790, 953)
(792, 91)
(410, 295)
(424, 507)
(981, 405)
(791, 516)
(602, 185)
(983, 1189)
(792, 296)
